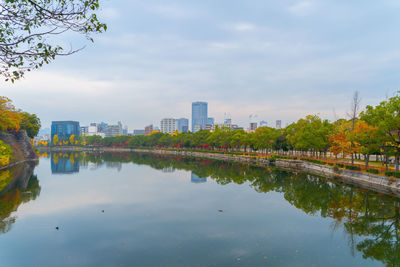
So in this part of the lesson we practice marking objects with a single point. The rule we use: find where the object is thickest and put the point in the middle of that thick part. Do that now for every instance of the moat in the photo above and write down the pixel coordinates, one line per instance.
(132, 209)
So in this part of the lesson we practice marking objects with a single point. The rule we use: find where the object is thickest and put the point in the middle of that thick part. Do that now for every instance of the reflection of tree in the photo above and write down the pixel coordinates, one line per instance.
(23, 187)
(371, 220)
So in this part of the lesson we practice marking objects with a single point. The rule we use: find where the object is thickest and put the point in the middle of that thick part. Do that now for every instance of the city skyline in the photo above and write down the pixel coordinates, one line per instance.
(296, 59)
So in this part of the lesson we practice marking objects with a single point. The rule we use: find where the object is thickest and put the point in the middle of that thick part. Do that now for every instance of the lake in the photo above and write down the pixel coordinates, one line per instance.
(132, 209)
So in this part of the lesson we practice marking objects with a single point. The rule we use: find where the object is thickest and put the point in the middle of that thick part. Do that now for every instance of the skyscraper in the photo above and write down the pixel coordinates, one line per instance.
(199, 116)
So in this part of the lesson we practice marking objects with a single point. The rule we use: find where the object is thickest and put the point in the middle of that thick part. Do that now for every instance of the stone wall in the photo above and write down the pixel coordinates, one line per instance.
(21, 146)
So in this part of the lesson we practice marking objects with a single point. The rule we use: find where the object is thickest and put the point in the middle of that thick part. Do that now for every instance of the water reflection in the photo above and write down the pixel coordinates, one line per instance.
(17, 185)
(64, 163)
(371, 221)
(196, 179)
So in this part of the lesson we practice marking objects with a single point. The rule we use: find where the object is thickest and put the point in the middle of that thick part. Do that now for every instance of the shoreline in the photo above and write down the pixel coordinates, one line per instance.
(378, 183)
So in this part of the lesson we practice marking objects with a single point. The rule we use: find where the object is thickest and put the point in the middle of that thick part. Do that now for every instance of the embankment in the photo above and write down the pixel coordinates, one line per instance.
(21, 147)
(366, 180)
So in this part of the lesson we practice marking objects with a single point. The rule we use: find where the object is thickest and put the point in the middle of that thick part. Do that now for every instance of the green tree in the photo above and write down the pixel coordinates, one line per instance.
(30, 123)
(386, 118)
(30, 28)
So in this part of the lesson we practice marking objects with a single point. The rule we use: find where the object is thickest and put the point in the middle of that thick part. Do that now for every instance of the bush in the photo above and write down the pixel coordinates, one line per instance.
(330, 164)
(374, 171)
(392, 174)
(5, 154)
(340, 165)
(315, 161)
(352, 168)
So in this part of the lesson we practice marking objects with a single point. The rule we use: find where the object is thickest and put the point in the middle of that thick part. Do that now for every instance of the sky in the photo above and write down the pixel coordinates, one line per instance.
(276, 59)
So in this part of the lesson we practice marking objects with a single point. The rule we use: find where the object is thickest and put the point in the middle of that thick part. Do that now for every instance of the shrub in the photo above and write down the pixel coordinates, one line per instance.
(374, 171)
(353, 168)
(5, 154)
(340, 165)
(330, 164)
(315, 161)
(393, 174)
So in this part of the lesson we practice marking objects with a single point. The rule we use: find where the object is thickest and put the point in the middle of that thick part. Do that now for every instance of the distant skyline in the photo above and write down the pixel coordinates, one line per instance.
(280, 60)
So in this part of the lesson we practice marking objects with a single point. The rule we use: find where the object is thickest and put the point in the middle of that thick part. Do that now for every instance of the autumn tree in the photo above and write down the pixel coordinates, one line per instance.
(10, 118)
(30, 123)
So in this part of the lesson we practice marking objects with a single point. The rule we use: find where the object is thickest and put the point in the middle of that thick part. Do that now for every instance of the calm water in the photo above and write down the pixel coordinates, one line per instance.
(164, 211)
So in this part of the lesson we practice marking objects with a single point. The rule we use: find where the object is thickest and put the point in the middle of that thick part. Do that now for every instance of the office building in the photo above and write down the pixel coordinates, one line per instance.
(64, 129)
(114, 130)
(253, 126)
(84, 130)
(263, 124)
(211, 121)
(278, 124)
(148, 130)
(182, 125)
(168, 125)
(199, 116)
(138, 132)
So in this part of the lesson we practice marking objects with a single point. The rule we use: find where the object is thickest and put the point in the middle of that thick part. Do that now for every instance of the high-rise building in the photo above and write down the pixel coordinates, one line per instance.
(278, 124)
(84, 130)
(148, 130)
(211, 121)
(168, 125)
(263, 124)
(199, 116)
(182, 125)
(253, 126)
(64, 129)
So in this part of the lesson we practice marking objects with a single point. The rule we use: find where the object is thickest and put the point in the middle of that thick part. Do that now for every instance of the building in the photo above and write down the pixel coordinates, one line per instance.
(114, 130)
(183, 125)
(84, 130)
(148, 130)
(168, 125)
(263, 124)
(199, 116)
(278, 124)
(253, 126)
(138, 132)
(211, 121)
(196, 179)
(64, 129)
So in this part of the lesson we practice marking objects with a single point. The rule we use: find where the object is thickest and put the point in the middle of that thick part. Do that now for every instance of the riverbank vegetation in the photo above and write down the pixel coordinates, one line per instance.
(13, 120)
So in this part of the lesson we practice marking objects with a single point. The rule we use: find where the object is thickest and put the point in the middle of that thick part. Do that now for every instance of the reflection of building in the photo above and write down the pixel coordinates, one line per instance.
(197, 180)
(199, 116)
(64, 163)
(183, 125)
(64, 129)
(168, 169)
(168, 125)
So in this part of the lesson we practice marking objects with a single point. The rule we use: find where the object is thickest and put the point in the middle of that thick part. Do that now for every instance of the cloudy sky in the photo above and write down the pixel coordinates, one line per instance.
(277, 59)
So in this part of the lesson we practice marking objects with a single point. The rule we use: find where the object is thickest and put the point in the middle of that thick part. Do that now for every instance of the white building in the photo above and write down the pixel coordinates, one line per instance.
(168, 125)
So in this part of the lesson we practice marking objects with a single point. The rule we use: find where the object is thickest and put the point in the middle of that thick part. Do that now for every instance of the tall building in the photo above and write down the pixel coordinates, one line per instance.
(182, 125)
(211, 121)
(263, 124)
(253, 126)
(148, 130)
(139, 132)
(84, 130)
(199, 116)
(278, 124)
(64, 129)
(168, 125)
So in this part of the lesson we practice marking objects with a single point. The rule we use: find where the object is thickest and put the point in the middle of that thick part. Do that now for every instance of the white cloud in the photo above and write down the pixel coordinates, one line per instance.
(242, 27)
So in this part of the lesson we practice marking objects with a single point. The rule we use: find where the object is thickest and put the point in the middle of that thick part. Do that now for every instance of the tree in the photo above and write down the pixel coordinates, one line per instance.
(30, 123)
(29, 29)
(55, 140)
(366, 139)
(354, 112)
(386, 118)
(10, 119)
